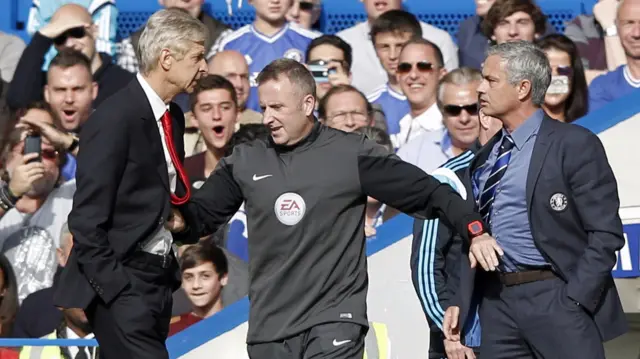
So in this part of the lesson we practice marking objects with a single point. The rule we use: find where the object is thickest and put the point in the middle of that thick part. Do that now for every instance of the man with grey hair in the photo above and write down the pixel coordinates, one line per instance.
(457, 100)
(306, 214)
(130, 185)
(547, 192)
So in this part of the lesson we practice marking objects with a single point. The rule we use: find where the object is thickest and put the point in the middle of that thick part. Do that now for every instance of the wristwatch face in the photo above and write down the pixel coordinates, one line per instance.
(475, 228)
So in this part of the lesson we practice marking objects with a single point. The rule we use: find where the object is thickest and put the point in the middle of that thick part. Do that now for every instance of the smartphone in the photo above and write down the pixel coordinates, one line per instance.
(32, 145)
(559, 85)
(321, 73)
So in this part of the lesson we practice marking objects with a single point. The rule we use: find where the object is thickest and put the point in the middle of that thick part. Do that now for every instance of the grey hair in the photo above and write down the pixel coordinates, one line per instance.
(64, 231)
(172, 29)
(525, 61)
(460, 76)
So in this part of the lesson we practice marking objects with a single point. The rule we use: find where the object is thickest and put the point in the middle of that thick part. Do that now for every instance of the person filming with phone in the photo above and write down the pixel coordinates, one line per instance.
(33, 203)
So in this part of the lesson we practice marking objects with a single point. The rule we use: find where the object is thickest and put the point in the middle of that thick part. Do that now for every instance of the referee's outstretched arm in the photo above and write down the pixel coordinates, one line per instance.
(406, 187)
(213, 204)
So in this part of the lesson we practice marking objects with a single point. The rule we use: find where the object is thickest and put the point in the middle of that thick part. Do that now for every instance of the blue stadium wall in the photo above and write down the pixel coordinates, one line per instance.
(336, 14)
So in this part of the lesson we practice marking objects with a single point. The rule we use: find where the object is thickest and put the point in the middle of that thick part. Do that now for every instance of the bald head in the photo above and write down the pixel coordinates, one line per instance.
(233, 66)
(72, 13)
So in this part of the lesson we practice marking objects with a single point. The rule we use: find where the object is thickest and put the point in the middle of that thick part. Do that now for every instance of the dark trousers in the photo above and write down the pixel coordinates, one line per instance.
(136, 323)
(535, 320)
(338, 340)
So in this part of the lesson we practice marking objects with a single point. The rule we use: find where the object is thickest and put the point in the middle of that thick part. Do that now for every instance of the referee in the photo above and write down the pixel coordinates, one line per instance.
(305, 190)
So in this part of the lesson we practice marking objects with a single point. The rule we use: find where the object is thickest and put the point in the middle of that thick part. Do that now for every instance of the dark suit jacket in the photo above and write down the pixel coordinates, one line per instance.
(580, 240)
(122, 195)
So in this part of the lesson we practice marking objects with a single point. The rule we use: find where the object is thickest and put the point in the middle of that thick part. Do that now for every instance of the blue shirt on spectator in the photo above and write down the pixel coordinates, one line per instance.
(611, 86)
(259, 50)
(509, 215)
(393, 104)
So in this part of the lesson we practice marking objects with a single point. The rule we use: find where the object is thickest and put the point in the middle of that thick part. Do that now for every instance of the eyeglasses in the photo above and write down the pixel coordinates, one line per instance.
(76, 33)
(455, 110)
(307, 5)
(564, 71)
(422, 66)
(356, 116)
(50, 154)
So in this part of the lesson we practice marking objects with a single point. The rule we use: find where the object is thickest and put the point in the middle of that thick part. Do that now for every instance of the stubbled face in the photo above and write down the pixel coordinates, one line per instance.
(70, 92)
(496, 95)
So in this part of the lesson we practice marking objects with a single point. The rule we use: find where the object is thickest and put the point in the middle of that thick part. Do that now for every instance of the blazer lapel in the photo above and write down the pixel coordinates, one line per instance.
(152, 133)
(540, 150)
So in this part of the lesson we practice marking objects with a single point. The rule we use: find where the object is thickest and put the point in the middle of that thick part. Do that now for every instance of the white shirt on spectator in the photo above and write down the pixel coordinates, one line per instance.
(73, 351)
(410, 127)
(428, 151)
(368, 73)
(29, 241)
(160, 243)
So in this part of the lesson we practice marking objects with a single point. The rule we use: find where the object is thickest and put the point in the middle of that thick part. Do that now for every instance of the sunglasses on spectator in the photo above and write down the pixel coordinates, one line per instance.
(564, 71)
(422, 66)
(455, 110)
(307, 5)
(50, 154)
(76, 33)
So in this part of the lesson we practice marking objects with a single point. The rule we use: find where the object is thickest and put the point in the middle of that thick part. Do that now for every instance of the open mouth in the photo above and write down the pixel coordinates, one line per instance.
(218, 130)
(68, 114)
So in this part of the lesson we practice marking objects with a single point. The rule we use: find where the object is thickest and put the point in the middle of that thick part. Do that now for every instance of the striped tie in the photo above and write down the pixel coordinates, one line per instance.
(499, 168)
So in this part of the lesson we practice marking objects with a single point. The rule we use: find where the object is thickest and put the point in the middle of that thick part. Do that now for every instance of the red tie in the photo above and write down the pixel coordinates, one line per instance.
(168, 137)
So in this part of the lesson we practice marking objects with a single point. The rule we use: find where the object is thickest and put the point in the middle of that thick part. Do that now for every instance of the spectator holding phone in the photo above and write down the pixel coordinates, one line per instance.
(567, 97)
(33, 204)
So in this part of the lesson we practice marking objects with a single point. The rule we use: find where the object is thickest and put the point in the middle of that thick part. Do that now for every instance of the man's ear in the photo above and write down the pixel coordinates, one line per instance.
(524, 89)
(224, 279)
(165, 59)
(46, 93)
(309, 104)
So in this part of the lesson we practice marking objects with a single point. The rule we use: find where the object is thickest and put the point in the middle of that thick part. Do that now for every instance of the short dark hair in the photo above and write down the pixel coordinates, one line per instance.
(578, 101)
(67, 58)
(204, 252)
(336, 90)
(395, 21)
(247, 133)
(212, 82)
(422, 41)
(296, 72)
(334, 41)
(502, 9)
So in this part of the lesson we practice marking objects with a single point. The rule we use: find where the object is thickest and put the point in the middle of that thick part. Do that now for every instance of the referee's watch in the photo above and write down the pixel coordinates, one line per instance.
(475, 228)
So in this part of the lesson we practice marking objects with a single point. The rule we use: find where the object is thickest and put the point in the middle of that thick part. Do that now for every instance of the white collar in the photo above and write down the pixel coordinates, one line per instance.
(72, 335)
(429, 120)
(629, 77)
(157, 105)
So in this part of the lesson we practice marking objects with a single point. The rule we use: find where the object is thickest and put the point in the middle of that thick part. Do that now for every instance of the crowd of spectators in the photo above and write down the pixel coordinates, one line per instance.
(403, 83)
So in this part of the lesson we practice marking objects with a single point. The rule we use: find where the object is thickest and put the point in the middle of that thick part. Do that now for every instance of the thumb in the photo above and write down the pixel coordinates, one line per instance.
(472, 260)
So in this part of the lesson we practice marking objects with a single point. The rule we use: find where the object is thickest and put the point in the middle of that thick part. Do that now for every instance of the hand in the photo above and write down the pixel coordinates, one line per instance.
(25, 174)
(369, 231)
(450, 324)
(62, 23)
(176, 222)
(605, 12)
(455, 350)
(483, 250)
(58, 139)
(339, 77)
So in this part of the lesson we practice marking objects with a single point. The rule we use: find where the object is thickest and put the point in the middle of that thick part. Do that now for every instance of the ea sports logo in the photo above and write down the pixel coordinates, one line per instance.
(289, 208)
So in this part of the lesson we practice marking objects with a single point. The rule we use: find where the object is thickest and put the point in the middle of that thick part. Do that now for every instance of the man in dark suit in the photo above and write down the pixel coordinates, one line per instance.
(547, 192)
(130, 184)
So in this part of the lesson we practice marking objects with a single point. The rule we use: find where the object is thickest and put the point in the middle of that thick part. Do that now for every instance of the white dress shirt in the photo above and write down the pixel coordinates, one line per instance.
(160, 243)
(74, 350)
(412, 127)
(367, 72)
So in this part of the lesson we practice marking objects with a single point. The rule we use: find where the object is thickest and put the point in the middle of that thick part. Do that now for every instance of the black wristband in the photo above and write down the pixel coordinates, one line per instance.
(10, 196)
(74, 145)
